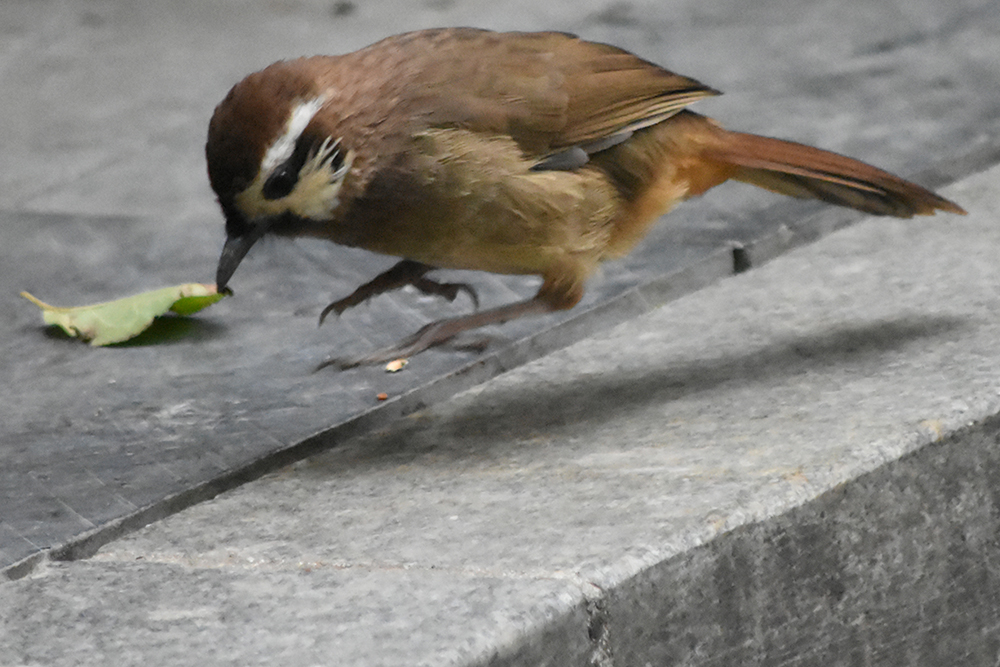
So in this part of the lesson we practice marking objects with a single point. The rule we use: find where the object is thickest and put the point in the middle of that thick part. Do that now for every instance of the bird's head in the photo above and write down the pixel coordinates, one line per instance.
(272, 165)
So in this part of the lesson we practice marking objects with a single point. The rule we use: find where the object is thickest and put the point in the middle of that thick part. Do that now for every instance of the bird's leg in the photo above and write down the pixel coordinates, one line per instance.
(405, 272)
(444, 330)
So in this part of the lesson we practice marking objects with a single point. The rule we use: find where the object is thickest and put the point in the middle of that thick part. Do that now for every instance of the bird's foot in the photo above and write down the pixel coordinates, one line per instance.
(442, 331)
(406, 272)
(431, 335)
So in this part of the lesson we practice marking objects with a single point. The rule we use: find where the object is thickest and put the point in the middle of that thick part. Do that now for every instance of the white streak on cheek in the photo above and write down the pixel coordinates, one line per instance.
(284, 146)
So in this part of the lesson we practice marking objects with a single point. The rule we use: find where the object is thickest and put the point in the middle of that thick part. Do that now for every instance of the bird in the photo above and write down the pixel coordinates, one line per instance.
(528, 153)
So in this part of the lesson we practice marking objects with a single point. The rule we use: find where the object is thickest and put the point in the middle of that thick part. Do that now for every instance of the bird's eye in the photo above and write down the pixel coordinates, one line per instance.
(280, 183)
(282, 180)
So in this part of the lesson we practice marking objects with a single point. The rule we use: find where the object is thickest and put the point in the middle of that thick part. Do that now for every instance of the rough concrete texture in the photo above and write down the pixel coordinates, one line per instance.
(900, 566)
(796, 466)
(642, 497)
(144, 430)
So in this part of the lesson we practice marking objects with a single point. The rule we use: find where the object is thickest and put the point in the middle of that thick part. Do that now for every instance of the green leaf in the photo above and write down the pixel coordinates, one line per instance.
(117, 321)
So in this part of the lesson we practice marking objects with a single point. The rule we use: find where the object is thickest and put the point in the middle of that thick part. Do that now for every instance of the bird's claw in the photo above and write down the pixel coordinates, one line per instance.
(406, 272)
(431, 335)
(449, 291)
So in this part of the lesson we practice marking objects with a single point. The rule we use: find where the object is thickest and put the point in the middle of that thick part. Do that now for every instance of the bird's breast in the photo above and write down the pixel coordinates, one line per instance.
(461, 199)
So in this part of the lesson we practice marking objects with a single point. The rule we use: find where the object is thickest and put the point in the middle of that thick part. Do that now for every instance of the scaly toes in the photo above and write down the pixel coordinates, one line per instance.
(431, 335)
(448, 291)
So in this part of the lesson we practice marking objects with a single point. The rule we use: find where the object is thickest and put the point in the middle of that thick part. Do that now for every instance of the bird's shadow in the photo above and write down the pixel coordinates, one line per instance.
(522, 411)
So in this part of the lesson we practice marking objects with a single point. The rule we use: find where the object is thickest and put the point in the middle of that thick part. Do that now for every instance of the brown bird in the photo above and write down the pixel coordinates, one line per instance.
(516, 153)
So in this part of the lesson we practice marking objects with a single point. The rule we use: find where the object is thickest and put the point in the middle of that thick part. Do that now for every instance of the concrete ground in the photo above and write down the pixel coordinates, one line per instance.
(794, 466)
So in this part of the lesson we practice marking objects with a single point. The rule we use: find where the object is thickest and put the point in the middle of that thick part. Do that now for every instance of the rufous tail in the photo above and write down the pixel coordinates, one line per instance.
(806, 172)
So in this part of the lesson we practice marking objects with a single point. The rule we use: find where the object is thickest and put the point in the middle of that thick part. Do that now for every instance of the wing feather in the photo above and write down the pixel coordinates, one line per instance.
(549, 91)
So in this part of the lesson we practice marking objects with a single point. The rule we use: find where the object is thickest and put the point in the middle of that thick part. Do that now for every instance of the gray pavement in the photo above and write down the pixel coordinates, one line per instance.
(794, 466)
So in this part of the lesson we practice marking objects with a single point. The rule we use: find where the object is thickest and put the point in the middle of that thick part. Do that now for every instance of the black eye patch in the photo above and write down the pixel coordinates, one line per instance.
(281, 182)
(284, 177)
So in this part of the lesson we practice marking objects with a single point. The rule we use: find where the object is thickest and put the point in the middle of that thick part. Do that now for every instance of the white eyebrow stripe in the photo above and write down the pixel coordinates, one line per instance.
(284, 146)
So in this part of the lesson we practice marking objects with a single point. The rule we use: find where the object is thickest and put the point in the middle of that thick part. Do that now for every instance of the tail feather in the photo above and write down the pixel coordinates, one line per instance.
(806, 172)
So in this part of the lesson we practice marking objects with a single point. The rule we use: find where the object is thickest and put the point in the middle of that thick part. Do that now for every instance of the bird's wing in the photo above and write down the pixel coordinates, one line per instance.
(552, 92)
